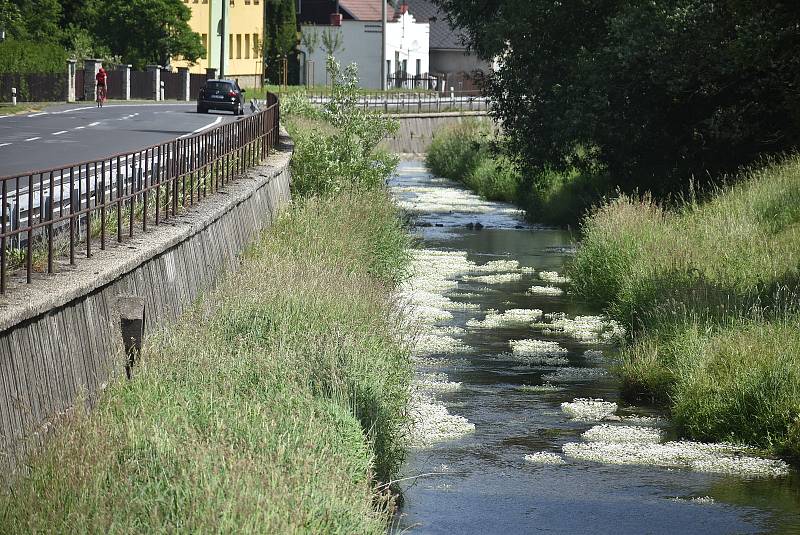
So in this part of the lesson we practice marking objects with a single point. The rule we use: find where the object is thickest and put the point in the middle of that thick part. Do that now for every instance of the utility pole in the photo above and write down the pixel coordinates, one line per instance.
(384, 74)
(224, 35)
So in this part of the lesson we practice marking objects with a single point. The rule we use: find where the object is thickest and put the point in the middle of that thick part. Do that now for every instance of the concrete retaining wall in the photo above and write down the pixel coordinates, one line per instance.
(417, 130)
(61, 337)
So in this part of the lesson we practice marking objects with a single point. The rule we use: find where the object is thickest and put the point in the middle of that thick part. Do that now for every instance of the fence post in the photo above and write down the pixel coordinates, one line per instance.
(211, 73)
(91, 68)
(70, 96)
(126, 81)
(155, 80)
(183, 83)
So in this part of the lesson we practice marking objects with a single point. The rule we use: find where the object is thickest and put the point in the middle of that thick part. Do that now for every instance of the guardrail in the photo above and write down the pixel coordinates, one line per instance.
(48, 214)
(415, 101)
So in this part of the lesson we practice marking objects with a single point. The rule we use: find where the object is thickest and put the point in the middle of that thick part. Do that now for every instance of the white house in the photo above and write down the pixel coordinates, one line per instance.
(355, 37)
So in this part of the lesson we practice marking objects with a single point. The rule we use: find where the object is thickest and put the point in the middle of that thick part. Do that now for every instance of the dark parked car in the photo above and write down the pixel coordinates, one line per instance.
(221, 95)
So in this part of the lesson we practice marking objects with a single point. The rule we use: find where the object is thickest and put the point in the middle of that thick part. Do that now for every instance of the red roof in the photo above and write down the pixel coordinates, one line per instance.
(366, 10)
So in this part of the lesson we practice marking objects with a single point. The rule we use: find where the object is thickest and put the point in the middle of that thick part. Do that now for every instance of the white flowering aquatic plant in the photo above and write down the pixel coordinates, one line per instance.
(588, 409)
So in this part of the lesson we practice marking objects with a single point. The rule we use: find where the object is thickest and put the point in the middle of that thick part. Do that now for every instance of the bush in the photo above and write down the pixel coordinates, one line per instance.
(457, 150)
(22, 57)
(339, 152)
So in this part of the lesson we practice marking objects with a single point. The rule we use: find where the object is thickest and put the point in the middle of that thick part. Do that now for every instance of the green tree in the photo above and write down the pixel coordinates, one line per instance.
(280, 36)
(651, 92)
(147, 31)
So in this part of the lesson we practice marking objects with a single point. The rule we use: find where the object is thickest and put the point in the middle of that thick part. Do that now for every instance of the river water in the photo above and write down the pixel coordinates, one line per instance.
(504, 438)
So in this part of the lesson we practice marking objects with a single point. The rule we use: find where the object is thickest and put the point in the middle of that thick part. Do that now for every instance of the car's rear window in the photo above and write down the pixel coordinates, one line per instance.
(219, 86)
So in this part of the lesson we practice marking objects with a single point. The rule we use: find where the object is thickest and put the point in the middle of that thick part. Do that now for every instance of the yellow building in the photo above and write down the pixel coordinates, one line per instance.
(244, 30)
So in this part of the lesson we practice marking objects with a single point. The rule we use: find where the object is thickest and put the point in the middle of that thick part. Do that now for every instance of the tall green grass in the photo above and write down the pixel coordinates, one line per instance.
(712, 290)
(276, 405)
(471, 153)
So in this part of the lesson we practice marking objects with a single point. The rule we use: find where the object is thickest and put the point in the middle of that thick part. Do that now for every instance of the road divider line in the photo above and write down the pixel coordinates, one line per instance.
(33, 138)
(37, 114)
(73, 109)
(206, 127)
(94, 123)
(79, 128)
(4, 144)
(59, 133)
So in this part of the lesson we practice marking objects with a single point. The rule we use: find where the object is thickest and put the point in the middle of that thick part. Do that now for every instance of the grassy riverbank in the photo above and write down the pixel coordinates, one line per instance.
(472, 154)
(712, 290)
(277, 404)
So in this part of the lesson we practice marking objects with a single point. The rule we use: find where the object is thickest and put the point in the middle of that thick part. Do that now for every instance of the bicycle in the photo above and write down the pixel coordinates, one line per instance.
(101, 95)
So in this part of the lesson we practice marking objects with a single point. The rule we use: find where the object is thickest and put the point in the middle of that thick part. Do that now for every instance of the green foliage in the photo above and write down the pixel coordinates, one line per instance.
(342, 154)
(662, 91)
(276, 405)
(470, 153)
(280, 36)
(457, 150)
(21, 57)
(711, 290)
(40, 20)
(147, 31)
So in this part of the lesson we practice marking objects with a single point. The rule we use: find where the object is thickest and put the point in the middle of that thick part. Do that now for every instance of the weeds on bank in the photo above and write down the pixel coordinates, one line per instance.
(471, 153)
(712, 291)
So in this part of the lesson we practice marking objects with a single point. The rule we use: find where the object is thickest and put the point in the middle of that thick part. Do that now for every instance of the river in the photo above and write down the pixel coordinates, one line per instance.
(518, 425)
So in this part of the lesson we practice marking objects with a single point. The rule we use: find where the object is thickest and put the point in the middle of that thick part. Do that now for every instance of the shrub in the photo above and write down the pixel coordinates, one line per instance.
(23, 57)
(343, 155)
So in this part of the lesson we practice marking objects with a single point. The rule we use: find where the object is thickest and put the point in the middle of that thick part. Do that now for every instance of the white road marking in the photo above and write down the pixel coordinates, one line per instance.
(4, 144)
(37, 114)
(59, 133)
(79, 128)
(94, 123)
(206, 127)
(33, 138)
(74, 109)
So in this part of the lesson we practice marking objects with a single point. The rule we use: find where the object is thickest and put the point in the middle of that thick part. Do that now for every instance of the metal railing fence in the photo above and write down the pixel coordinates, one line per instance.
(48, 215)
(415, 101)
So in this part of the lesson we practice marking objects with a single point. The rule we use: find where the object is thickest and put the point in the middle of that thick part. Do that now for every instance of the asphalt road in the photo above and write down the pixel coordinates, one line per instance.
(65, 134)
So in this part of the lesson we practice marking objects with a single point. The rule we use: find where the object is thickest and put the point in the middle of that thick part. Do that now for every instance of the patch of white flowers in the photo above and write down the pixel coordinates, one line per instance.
(509, 318)
(553, 277)
(536, 348)
(435, 382)
(593, 329)
(623, 434)
(430, 422)
(496, 278)
(545, 457)
(545, 290)
(697, 456)
(588, 409)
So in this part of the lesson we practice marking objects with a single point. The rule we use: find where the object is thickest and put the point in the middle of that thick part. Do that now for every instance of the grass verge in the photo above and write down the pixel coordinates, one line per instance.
(712, 289)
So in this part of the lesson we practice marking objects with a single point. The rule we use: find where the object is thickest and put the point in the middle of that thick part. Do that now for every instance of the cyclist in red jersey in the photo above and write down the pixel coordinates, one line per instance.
(101, 85)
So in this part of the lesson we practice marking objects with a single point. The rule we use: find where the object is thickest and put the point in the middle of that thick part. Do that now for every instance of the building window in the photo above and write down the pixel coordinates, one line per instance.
(247, 2)
(238, 46)
(230, 46)
(204, 37)
(299, 7)
(256, 48)
(247, 46)
(419, 67)
(255, 2)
